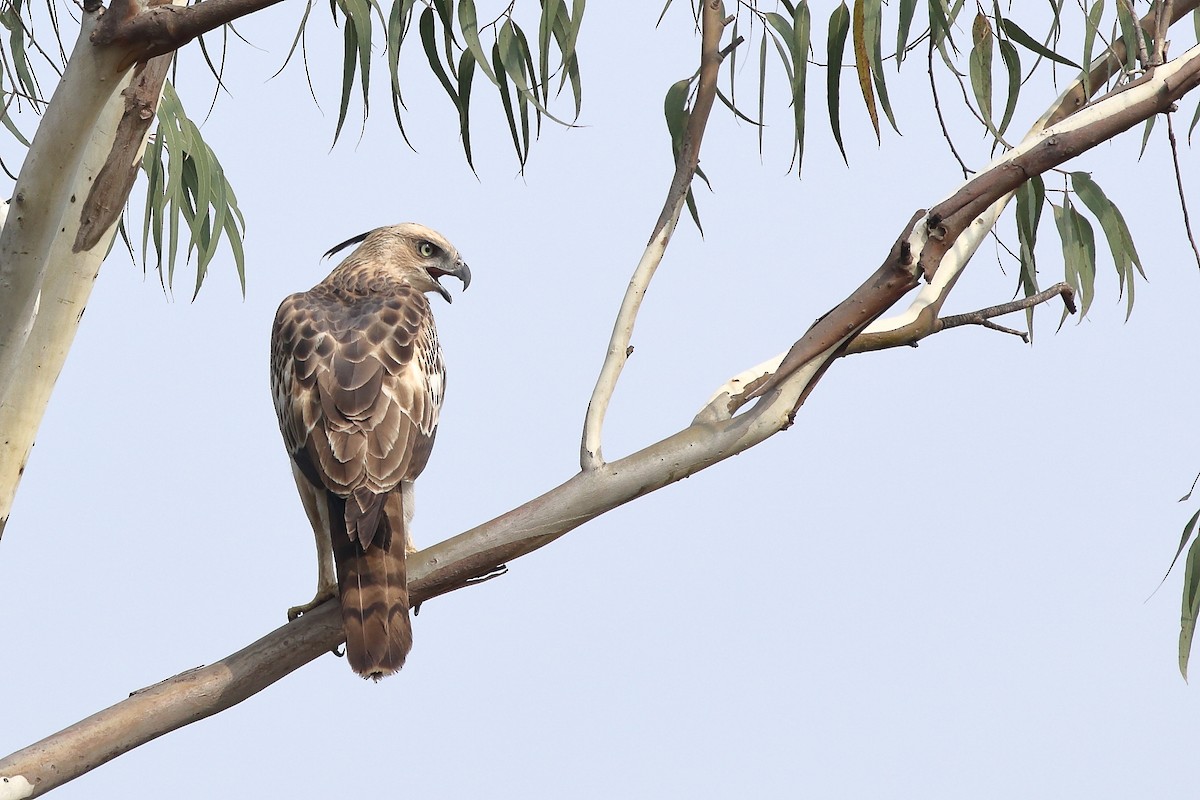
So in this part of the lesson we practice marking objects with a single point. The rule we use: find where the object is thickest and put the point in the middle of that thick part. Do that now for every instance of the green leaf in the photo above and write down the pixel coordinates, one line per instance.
(429, 42)
(565, 33)
(802, 28)
(514, 56)
(466, 71)
(1129, 33)
(1012, 64)
(1146, 134)
(907, 7)
(862, 62)
(1031, 196)
(1188, 529)
(981, 69)
(191, 188)
(839, 25)
(872, 25)
(506, 102)
(468, 21)
(397, 28)
(1079, 252)
(1090, 29)
(1116, 231)
(939, 25)
(676, 113)
(1013, 31)
(1191, 599)
(762, 88)
(545, 36)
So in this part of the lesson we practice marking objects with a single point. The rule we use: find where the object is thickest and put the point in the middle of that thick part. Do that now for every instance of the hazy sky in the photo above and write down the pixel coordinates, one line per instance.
(934, 585)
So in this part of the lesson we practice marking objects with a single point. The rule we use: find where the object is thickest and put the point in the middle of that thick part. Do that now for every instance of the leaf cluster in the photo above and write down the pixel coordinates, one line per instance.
(527, 72)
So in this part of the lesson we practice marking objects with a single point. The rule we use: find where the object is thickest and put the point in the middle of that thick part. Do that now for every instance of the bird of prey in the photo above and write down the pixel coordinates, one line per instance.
(357, 377)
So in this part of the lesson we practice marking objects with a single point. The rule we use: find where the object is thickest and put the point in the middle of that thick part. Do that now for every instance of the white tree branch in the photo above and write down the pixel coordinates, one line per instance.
(917, 320)
(108, 165)
(44, 189)
(712, 25)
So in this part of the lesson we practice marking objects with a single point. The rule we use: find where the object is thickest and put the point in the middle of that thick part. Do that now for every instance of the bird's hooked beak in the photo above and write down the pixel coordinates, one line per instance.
(460, 270)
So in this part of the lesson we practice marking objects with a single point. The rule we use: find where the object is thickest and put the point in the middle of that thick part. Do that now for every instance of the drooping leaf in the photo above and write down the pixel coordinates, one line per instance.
(1116, 232)
(862, 62)
(468, 21)
(1079, 252)
(506, 102)
(762, 88)
(1013, 31)
(872, 32)
(1012, 65)
(676, 113)
(466, 72)
(981, 68)
(802, 32)
(1146, 130)
(1090, 29)
(907, 8)
(1191, 601)
(839, 26)
(187, 184)
(1129, 33)
(429, 42)
(397, 27)
(1031, 196)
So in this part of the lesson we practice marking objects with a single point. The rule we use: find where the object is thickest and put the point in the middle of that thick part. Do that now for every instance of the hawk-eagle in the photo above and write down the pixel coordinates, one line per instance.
(357, 377)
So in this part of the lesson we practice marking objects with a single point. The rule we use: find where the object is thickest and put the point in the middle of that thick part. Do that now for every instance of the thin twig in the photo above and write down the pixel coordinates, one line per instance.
(984, 316)
(1187, 222)
(937, 107)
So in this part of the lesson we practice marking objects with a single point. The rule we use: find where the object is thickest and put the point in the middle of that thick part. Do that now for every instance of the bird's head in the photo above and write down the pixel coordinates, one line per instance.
(417, 255)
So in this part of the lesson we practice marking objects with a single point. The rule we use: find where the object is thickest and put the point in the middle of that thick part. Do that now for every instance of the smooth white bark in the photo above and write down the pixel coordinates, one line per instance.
(45, 187)
(964, 247)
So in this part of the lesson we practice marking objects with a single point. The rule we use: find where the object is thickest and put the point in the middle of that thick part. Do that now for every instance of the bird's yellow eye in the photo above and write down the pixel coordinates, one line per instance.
(426, 249)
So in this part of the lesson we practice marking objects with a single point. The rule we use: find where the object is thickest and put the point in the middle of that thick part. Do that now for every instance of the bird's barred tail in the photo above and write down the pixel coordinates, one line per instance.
(373, 585)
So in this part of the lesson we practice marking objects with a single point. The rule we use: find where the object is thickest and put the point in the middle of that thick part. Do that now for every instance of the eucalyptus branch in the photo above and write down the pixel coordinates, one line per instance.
(145, 32)
(1161, 24)
(712, 25)
(45, 187)
(984, 315)
(920, 317)
(199, 693)
(954, 229)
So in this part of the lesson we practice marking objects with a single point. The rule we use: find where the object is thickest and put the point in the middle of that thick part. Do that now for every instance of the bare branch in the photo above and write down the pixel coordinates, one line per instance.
(148, 32)
(712, 26)
(199, 693)
(984, 315)
(925, 243)
(1187, 222)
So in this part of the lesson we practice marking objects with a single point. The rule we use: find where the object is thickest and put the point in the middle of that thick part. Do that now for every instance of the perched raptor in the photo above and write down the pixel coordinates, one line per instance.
(357, 376)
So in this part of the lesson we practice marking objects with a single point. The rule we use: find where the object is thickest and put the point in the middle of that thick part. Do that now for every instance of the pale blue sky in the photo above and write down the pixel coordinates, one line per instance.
(933, 585)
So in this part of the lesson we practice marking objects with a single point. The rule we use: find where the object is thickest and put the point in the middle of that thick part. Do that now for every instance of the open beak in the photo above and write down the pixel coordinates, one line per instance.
(460, 270)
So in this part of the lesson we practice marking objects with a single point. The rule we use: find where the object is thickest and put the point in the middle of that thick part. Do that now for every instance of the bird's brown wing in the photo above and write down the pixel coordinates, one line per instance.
(358, 386)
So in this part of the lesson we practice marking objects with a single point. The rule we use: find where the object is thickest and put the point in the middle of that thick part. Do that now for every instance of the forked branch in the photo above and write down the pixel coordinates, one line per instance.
(712, 26)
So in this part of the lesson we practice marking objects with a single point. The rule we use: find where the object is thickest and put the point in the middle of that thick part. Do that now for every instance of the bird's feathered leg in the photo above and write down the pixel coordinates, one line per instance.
(407, 495)
(317, 510)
